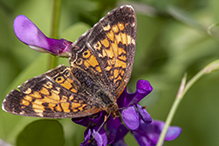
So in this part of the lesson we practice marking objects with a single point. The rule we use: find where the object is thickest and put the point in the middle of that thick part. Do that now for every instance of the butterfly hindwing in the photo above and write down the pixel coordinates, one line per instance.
(42, 96)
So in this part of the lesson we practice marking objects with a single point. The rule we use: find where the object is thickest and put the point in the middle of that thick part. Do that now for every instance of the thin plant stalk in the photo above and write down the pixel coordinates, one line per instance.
(54, 30)
(184, 87)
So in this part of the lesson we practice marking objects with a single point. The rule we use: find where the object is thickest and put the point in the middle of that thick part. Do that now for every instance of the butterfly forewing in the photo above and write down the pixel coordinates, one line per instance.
(110, 48)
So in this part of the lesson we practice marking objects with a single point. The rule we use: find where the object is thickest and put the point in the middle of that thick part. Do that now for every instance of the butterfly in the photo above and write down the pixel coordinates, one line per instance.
(101, 63)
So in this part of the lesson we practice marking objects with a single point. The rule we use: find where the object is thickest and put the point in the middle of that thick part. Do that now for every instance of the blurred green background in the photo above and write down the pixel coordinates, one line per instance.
(172, 39)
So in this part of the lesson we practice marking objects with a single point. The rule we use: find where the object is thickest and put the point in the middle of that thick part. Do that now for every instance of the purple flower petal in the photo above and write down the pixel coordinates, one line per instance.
(100, 136)
(121, 132)
(172, 133)
(98, 118)
(131, 117)
(142, 140)
(93, 120)
(94, 137)
(143, 89)
(153, 130)
(145, 116)
(121, 142)
(81, 121)
(115, 130)
(30, 34)
(87, 135)
(112, 126)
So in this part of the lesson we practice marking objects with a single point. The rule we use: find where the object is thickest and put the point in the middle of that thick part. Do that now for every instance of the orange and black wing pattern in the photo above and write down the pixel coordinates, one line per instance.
(51, 95)
(106, 51)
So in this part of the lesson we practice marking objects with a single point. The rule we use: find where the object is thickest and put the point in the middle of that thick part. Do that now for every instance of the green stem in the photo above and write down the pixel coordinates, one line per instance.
(192, 81)
(182, 91)
(213, 66)
(54, 31)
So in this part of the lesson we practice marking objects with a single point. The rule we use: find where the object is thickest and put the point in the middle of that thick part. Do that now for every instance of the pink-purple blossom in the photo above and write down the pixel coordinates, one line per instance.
(27, 32)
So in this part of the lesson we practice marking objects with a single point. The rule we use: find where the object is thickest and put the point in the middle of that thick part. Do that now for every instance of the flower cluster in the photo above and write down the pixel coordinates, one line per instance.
(137, 120)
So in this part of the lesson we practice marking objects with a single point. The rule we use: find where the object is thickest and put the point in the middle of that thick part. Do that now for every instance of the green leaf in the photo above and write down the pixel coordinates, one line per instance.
(42, 133)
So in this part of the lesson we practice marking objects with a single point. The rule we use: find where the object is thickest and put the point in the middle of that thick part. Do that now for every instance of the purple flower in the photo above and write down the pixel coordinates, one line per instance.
(148, 134)
(132, 114)
(135, 117)
(30, 34)
(138, 120)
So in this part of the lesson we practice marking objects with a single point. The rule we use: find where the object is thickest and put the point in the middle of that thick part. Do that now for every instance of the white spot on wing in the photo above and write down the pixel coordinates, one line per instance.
(3, 107)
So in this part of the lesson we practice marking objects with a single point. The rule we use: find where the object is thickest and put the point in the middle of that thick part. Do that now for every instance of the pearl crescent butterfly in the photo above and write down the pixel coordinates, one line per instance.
(100, 67)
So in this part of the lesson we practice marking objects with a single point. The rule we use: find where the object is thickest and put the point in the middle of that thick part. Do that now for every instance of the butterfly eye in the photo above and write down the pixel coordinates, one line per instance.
(59, 79)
